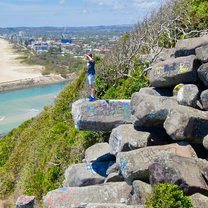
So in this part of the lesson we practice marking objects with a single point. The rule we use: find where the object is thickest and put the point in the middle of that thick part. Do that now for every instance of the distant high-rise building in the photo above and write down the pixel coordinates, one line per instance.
(65, 40)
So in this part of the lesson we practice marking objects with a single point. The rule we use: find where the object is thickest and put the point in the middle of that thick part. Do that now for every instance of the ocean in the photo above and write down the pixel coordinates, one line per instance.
(21, 105)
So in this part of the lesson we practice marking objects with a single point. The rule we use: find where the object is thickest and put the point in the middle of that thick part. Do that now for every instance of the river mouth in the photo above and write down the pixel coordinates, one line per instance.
(20, 105)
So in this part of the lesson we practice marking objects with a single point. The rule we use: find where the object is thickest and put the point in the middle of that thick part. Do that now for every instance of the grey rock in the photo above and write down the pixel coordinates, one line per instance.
(85, 174)
(186, 47)
(134, 164)
(202, 53)
(141, 191)
(101, 115)
(25, 201)
(113, 206)
(172, 169)
(149, 91)
(98, 152)
(77, 196)
(126, 137)
(156, 91)
(186, 123)
(204, 99)
(174, 71)
(114, 177)
(188, 95)
(199, 201)
(165, 54)
(151, 111)
(203, 164)
(203, 74)
(205, 142)
(112, 169)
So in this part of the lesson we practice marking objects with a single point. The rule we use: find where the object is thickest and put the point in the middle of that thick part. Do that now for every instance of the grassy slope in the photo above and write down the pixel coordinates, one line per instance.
(34, 156)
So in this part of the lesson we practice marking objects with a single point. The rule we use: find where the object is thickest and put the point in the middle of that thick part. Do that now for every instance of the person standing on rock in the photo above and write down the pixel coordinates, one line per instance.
(90, 75)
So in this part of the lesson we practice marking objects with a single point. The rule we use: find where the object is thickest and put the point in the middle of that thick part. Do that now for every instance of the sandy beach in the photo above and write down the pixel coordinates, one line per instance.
(11, 69)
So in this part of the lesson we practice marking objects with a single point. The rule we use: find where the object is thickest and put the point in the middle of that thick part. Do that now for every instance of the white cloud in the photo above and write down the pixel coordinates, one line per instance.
(145, 4)
(114, 4)
(61, 1)
(124, 4)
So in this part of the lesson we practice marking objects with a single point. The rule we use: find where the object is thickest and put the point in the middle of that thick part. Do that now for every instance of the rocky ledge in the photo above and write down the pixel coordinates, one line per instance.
(161, 135)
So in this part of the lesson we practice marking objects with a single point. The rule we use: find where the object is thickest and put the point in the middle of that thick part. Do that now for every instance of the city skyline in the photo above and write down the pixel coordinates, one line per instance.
(72, 13)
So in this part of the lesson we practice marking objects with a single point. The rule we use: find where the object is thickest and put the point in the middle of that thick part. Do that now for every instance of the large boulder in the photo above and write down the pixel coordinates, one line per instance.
(186, 123)
(98, 152)
(188, 95)
(156, 91)
(101, 115)
(151, 111)
(77, 196)
(134, 164)
(172, 169)
(199, 201)
(174, 71)
(203, 74)
(126, 137)
(202, 53)
(186, 47)
(85, 174)
(204, 99)
(140, 192)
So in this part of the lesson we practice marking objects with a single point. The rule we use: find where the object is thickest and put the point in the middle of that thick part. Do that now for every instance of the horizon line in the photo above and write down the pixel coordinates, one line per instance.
(67, 26)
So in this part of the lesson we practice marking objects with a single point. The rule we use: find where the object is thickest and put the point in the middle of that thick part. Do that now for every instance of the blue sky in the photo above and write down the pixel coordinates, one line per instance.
(68, 13)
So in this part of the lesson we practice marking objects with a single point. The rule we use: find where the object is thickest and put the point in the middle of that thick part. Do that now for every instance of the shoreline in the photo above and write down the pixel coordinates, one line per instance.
(34, 82)
(15, 75)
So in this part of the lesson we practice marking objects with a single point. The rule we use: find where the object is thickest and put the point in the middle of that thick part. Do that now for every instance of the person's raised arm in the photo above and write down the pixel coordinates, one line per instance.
(89, 57)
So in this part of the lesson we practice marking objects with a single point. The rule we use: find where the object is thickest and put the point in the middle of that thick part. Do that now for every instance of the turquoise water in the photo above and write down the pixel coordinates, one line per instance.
(21, 105)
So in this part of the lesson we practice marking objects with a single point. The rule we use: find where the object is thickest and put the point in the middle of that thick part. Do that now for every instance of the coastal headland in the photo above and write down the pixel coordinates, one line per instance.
(16, 75)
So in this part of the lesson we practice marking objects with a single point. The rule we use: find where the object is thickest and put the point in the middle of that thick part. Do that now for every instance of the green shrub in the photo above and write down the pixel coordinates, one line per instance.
(168, 196)
(199, 14)
(125, 86)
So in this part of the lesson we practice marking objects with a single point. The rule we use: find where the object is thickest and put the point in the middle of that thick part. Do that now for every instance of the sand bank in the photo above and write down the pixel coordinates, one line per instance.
(11, 68)
(16, 75)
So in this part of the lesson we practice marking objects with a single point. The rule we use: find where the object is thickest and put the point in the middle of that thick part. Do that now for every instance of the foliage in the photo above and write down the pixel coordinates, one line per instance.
(53, 61)
(168, 196)
(34, 156)
(199, 14)
(56, 63)
(125, 87)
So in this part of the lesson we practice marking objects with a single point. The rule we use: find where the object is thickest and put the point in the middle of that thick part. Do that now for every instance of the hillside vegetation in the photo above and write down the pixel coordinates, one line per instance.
(34, 156)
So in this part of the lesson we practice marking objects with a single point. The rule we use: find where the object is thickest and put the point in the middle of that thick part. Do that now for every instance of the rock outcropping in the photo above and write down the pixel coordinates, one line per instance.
(153, 138)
